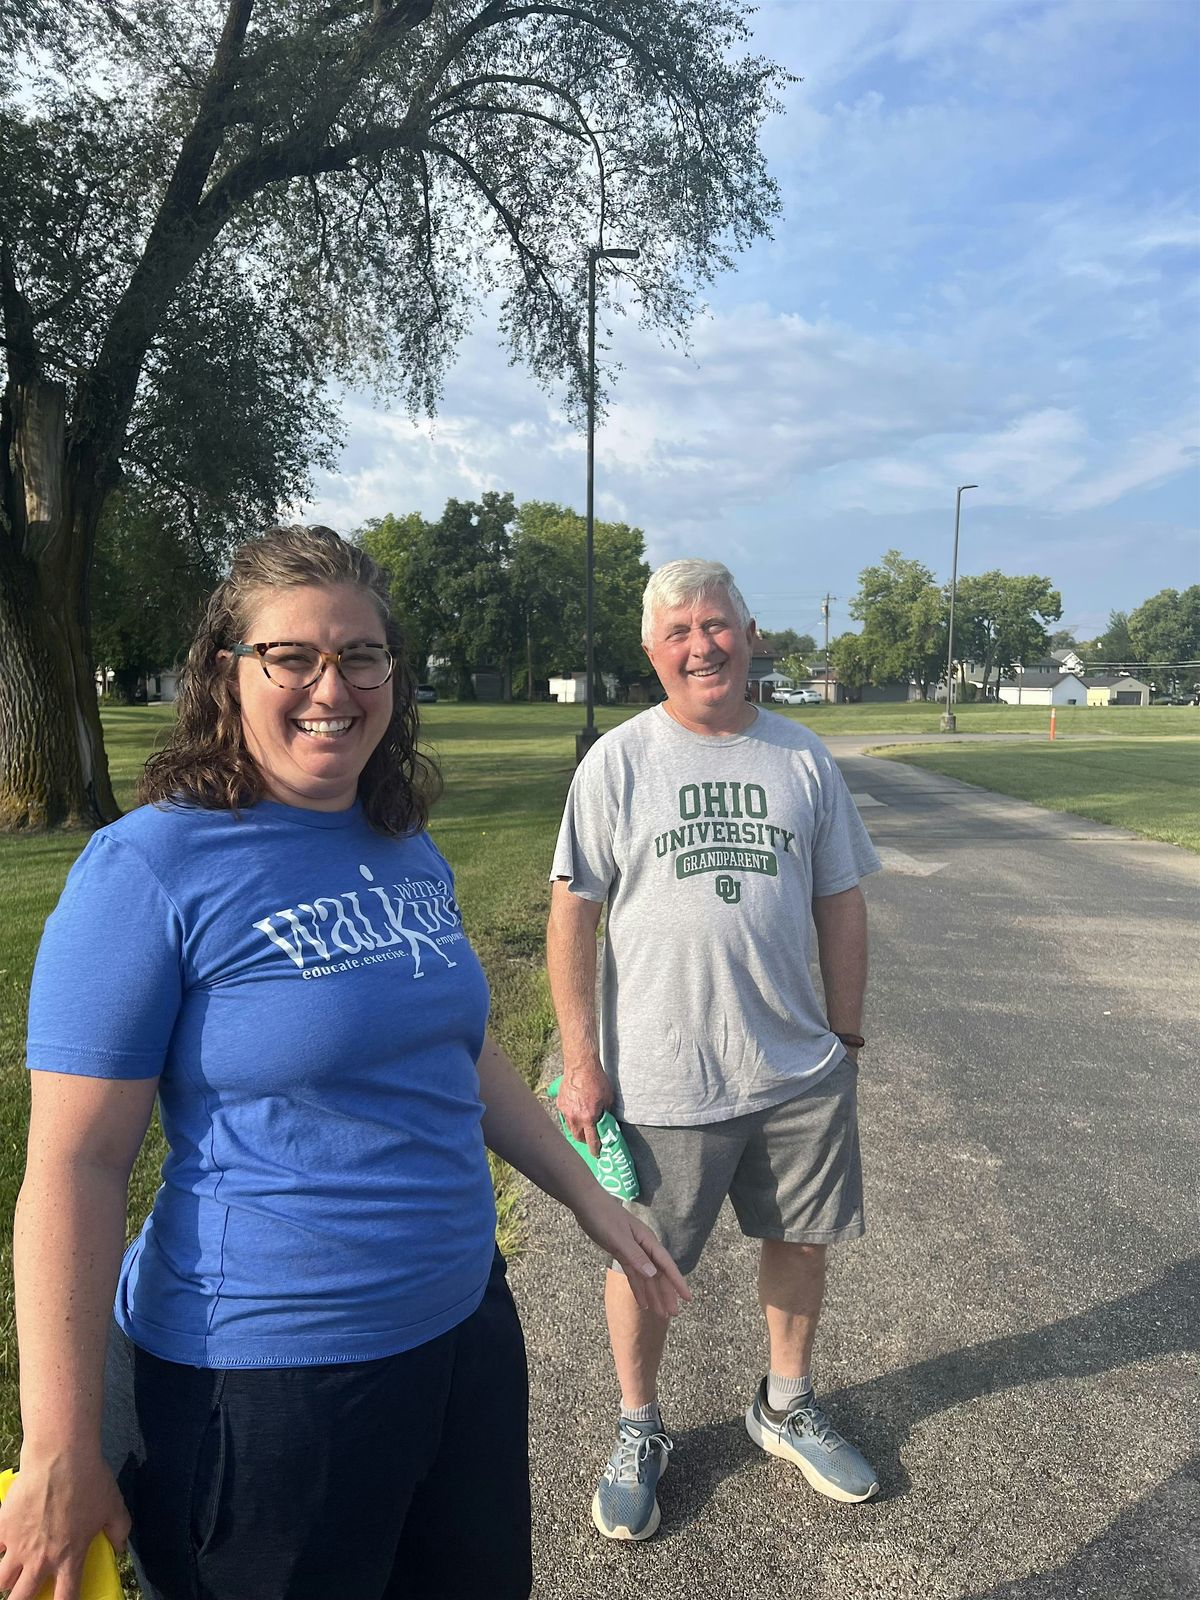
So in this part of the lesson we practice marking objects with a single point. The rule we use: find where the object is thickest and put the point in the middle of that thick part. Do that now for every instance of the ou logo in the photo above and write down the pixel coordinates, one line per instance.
(728, 889)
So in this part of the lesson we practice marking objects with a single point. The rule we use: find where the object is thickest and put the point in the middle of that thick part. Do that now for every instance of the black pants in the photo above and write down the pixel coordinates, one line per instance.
(400, 1479)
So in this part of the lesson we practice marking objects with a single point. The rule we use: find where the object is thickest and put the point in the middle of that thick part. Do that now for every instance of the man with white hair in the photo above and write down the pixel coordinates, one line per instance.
(717, 834)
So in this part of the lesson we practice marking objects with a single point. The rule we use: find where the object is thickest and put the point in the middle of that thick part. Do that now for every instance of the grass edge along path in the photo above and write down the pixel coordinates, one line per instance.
(1147, 785)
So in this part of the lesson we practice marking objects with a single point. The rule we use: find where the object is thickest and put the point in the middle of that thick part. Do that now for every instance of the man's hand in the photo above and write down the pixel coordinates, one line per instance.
(584, 1095)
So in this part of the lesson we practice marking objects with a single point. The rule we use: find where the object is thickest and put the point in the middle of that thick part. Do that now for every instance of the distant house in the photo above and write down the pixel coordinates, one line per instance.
(1065, 661)
(571, 688)
(1033, 688)
(761, 678)
(1118, 690)
(162, 685)
(827, 686)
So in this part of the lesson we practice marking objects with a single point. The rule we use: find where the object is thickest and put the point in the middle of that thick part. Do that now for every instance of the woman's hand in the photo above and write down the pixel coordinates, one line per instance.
(658, 1285)
(50, 1517)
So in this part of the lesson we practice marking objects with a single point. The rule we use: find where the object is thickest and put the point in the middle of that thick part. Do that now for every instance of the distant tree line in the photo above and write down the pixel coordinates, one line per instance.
(793, 651)
(494, 584)
(1000, 624)
(489, 583)
(1161, 638)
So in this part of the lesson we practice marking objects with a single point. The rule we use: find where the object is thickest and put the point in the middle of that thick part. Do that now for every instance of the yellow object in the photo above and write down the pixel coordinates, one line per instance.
(100, 1577)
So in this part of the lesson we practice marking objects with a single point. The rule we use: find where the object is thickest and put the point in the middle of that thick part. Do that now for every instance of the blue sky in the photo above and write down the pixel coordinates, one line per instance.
(986, 271)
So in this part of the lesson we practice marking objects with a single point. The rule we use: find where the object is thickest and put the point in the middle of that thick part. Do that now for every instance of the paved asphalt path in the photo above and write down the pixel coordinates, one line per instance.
(1014, 1342)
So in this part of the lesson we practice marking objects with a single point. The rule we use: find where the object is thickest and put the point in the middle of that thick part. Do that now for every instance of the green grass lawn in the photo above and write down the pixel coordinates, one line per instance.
(1150, 786)
(923, 717)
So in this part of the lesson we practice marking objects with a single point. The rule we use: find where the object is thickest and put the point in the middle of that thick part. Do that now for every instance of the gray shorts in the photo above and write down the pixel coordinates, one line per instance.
(791, 1172)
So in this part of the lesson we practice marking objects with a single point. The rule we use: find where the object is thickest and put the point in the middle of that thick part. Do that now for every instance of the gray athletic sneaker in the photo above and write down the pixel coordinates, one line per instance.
(624, 1506)
(803, 1434)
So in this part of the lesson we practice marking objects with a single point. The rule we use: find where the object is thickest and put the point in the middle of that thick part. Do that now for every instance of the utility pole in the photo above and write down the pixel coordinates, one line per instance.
(948, 723)
(825, 614)
(585, 740)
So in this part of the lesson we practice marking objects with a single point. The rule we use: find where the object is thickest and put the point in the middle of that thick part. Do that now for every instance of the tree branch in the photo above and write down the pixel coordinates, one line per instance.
(557, 91)
(486, 109)
(532, 263)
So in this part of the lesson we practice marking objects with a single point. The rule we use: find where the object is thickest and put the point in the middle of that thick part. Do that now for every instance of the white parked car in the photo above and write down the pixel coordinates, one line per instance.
(799, 697)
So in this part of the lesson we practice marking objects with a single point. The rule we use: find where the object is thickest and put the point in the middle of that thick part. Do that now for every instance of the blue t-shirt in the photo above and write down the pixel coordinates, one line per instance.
(305, 989)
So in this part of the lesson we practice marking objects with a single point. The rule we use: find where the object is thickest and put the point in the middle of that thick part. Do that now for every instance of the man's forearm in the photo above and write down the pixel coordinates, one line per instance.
(585, 1093)
(841, 924)
(571, 964)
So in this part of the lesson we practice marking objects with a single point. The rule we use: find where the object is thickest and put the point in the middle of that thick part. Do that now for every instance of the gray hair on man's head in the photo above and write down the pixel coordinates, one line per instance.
(685, 583)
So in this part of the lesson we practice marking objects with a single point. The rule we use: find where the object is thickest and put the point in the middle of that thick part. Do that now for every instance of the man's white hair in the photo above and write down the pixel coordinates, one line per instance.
(685, 583)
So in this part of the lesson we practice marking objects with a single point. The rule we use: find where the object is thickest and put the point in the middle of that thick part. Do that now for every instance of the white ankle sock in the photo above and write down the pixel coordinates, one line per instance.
(782, 1391)
(642, 1413)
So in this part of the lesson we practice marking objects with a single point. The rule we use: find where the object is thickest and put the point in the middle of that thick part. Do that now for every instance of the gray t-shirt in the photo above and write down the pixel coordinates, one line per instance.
(709, 851)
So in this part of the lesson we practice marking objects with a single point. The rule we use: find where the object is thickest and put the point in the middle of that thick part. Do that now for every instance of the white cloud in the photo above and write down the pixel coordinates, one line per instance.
(1142, 464)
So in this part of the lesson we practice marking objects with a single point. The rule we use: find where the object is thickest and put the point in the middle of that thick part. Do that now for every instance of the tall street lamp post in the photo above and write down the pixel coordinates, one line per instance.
(948, 723)
(585, 740)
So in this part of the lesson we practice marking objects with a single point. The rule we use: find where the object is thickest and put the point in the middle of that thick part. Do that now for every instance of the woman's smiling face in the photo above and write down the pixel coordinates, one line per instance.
(312, 744)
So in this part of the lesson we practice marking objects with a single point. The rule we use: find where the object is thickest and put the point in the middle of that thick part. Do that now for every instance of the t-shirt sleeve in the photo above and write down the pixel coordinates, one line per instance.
(584, 852)
(842, 848)
(108, 979)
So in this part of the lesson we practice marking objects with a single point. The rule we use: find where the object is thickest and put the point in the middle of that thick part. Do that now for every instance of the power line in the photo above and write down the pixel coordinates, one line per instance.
(1141, 666)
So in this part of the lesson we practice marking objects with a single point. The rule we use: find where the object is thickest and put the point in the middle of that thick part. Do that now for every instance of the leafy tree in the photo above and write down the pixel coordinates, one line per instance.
(491, 583)
(340, 182)
(550, 546)
(999, 620)
(903, 612)
(795, 666)
(1114, 647)
(148, 591)
(392, 541)
(1166, 629)
(451, 582)
(786, 642)
(548, 602)
(849, 659)
(1063, 639)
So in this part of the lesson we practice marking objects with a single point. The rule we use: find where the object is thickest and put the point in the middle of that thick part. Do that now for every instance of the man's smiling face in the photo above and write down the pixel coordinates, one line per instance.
(702, 656)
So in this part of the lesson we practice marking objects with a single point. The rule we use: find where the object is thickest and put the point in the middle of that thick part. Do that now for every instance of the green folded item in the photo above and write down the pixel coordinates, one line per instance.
(614, 1166)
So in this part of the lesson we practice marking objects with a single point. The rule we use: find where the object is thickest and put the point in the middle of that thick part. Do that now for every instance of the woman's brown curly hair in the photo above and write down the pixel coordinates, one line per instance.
(205, 761)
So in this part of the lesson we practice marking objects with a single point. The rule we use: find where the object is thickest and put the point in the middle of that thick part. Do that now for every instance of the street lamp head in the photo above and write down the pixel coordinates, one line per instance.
(614, 255)
(963, 486)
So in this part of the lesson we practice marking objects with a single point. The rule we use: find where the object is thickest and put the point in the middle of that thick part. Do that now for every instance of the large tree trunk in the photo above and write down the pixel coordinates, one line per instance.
(53, 771)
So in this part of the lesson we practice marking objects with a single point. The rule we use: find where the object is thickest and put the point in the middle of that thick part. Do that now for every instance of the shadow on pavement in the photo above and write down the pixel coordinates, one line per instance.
(704, 1458)
(1161, 1319)
(1154, 1547)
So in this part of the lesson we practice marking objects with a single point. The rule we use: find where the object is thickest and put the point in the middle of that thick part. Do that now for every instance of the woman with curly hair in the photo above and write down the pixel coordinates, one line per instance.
(313, 1381)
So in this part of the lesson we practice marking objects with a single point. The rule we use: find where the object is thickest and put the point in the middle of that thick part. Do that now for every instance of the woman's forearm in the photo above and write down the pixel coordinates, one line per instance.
(518, 1129)
(84, 1134)
(520, 1132)
(67, 1243)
